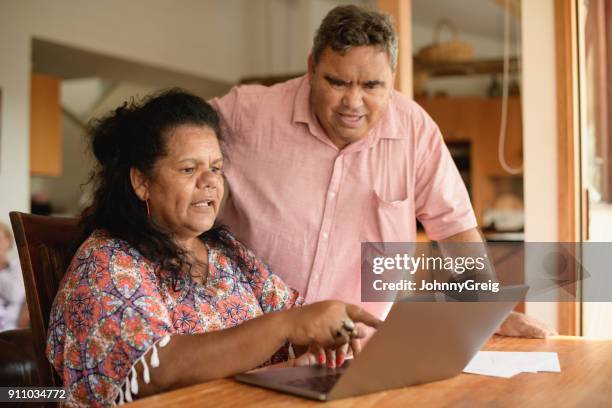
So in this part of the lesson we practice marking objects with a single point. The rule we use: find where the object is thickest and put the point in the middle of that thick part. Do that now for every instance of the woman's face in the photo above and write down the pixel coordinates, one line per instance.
(186, 186)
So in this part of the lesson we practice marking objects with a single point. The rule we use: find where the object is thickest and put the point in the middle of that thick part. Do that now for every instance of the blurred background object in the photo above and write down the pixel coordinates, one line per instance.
(13, 312)
(470, 87)
(445, 50)
(40, 204)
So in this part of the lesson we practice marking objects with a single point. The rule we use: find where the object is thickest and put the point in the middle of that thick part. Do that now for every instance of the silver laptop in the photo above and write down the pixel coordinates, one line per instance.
(423, 339)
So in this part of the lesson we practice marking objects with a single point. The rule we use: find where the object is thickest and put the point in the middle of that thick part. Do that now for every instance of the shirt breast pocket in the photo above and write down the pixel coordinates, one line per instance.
(388, 221)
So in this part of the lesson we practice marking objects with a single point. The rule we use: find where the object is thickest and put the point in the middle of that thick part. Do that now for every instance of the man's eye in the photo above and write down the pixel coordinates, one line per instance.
(188, 170)
(217, 170)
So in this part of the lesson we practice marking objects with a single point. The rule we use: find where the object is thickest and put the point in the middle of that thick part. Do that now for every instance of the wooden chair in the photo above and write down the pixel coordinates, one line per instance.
(45, 246)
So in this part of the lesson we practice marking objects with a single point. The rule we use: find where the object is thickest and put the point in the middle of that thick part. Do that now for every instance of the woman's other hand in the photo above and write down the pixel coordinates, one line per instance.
(335, 357)
(317, 355)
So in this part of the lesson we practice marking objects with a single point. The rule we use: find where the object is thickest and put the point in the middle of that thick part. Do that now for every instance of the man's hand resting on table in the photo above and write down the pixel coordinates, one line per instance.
(521, 325)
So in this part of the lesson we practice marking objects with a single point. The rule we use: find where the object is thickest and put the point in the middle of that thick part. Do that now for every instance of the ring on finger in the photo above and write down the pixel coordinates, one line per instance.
(348, 325)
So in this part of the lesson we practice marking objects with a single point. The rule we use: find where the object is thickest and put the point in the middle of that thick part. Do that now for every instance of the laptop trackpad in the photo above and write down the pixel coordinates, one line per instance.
(317, 383)
(319, 379)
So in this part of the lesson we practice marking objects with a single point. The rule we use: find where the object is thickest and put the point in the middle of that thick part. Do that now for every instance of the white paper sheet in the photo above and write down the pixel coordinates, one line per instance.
(509, 363)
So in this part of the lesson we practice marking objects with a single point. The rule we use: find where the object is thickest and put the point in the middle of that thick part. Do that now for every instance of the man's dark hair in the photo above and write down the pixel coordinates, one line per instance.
(352, 26)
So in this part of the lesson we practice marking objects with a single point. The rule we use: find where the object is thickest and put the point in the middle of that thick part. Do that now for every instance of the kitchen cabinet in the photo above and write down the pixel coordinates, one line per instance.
(45, 126)
(477, 122)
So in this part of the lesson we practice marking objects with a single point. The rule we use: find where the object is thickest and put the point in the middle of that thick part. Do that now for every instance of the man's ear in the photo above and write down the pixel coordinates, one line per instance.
(139, 184)
(311, 67)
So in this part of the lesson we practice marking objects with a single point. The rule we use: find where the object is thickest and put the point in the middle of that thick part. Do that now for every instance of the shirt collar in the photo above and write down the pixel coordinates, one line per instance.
(301, 105)
(302, 113)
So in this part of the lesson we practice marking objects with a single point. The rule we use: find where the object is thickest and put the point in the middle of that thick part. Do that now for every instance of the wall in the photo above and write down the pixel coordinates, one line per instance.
(14, 84)
(114, 27)
(67, 193)
(539, 132)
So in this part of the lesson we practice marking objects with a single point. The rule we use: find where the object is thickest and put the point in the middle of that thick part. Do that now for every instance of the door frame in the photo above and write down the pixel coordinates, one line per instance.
(571, 200)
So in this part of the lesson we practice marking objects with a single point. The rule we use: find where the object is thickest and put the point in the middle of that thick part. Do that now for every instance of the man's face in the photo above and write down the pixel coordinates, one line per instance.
(350, 92)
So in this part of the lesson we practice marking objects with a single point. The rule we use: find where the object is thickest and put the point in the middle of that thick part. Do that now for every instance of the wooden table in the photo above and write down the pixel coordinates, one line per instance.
(585, 381)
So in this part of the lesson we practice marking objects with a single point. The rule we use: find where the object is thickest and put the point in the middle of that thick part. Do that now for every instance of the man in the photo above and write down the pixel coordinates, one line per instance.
(318, 164)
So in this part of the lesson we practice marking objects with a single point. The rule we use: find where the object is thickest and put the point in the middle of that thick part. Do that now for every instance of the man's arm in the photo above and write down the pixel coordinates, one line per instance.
(516, 324)
(471, 235)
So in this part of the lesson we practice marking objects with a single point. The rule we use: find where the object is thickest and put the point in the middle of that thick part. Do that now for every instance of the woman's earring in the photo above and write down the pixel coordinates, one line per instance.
(148, 209)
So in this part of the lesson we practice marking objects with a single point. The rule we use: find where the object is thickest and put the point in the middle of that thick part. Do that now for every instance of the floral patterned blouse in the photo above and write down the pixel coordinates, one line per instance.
(113, 305)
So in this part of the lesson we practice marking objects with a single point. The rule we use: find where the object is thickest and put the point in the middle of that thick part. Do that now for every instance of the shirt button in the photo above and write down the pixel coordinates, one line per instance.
(325, 235)
(332, 194)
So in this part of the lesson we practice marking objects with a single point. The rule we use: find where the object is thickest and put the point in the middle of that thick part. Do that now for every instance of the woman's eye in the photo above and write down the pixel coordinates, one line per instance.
(217, 170)
(188, 170)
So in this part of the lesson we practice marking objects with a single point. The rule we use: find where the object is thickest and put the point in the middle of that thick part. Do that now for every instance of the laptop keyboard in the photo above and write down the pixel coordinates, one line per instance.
(320, 384)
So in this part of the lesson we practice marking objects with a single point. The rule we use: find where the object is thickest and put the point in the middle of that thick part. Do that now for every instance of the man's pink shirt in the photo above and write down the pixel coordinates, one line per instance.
(304, 206)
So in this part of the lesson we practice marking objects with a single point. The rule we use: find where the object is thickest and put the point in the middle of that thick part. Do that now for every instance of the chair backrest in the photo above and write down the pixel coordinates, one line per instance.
(45, 246)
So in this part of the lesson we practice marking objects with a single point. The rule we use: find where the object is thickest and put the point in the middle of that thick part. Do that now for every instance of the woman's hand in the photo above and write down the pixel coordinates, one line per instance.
(317, 355)
(328, 325)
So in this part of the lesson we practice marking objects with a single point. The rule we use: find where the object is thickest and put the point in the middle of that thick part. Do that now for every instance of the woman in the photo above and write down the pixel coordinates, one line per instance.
(157, 297)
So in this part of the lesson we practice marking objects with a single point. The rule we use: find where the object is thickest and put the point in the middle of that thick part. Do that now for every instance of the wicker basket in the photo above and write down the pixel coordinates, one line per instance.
(453, 50)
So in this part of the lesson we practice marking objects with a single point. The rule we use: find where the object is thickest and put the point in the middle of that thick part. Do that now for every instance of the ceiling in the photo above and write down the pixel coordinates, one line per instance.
(68, 62)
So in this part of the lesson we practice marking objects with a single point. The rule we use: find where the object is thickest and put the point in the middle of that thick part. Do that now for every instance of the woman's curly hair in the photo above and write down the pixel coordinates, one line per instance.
(136, 135)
